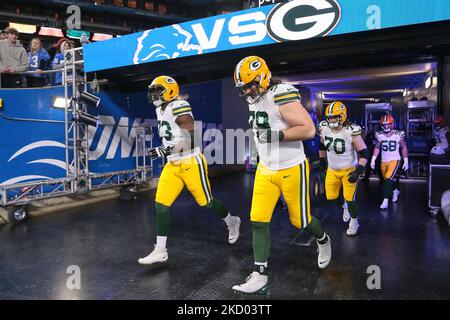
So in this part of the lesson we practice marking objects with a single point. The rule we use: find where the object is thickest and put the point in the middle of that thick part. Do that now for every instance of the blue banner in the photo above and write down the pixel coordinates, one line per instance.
(289, 21)
(33, 150)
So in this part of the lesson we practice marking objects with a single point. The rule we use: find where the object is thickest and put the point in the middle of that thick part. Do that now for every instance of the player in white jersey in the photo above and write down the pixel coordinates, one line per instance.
(390, 141)
(280, 123)
(340, 141)
(441, 135)
(186, 165)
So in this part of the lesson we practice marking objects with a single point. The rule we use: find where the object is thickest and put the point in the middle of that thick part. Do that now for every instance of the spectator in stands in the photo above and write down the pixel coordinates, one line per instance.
(39, 60)
(13, 59)
(58, 61)
(2, 35)
(55, 49)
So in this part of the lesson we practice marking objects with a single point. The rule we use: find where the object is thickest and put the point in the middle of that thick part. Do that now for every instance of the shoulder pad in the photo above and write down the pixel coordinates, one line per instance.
(355, 129)
(284, 93)
(180, 107)
(178, 103)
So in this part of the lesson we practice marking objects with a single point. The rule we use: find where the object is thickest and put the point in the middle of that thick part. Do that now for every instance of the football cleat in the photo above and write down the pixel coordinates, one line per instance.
(324, 257)
(157, 256)
(385, 204)
(255, 283)
(395, 195)
(233, 230)
(353, 227)
(345, 215)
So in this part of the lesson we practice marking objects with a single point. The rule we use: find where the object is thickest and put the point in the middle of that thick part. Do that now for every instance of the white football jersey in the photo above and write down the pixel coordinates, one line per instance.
(390, 144)
(266, 114)
(440, 137)
(340, 151)
(169, 131)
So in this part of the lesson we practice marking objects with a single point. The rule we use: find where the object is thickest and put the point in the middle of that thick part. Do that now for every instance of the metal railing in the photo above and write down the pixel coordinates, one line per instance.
(78, 178)
(29, 73)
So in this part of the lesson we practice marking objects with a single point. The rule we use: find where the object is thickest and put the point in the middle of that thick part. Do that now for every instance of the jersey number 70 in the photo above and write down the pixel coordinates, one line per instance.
(337, 144)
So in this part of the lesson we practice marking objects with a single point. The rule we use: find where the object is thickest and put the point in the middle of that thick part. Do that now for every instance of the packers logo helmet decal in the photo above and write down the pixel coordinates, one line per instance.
(170, 80)
(255, 65)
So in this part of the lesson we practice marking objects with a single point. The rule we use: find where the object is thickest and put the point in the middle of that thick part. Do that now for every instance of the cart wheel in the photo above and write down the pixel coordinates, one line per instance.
(18, 213)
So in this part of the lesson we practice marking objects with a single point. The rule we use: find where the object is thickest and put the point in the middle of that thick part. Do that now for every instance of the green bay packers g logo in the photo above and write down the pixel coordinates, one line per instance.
(255, 65)
(170, 80)
(303, 19)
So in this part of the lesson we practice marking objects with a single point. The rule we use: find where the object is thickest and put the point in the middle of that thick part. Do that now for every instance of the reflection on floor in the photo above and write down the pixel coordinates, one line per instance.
(105, 240)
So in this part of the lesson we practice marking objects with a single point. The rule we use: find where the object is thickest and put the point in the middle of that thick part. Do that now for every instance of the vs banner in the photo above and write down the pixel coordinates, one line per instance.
(294, 20)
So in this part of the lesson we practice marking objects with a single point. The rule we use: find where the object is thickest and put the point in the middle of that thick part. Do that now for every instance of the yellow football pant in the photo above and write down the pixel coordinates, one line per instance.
(335, 179)
(389, 169)
(293, 183)
(192, 173)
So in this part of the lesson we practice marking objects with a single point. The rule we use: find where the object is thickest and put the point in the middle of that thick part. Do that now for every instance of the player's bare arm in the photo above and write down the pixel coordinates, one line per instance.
(301, 124)
(361, 148)
(404, 148)
(186, 124)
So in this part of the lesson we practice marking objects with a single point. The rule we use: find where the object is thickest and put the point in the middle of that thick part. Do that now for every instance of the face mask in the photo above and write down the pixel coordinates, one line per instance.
(252, 96)
(334, 125)
(158, 103)
(387, 129)
(155, 96)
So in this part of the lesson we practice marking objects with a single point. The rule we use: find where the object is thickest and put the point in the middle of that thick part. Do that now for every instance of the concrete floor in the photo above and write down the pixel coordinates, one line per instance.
(105, 240)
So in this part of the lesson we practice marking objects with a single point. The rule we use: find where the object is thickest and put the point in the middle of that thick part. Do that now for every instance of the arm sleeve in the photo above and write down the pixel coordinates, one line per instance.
(355, 130)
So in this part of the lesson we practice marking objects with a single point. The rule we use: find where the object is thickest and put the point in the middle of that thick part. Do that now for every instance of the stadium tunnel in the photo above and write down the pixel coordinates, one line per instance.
(373, 72)
(369, 71)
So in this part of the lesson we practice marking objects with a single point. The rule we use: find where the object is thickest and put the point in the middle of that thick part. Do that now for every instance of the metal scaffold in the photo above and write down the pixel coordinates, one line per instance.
(76, 124)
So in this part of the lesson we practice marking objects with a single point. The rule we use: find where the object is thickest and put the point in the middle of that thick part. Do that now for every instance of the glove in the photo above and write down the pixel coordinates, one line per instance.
(268, 136)
(159, 152)
(354, 176)
(405, 164)
(372, 163)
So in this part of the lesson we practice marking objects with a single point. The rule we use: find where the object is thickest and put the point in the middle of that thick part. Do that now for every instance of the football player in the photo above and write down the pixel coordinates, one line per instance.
(280, 123)
(441, 134)
(390, 141)
(186, 165)
(340, 141)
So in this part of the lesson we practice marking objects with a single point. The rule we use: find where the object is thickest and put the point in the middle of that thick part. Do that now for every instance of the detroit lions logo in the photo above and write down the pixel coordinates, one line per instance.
(149, 47)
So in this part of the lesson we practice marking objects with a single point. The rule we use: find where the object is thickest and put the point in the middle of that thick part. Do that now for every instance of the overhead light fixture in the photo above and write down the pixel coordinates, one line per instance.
(23, 28)
(428, 82)
(59, 102)
(51, 32)
(101, 37)
(86, 118)
(90, 98)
